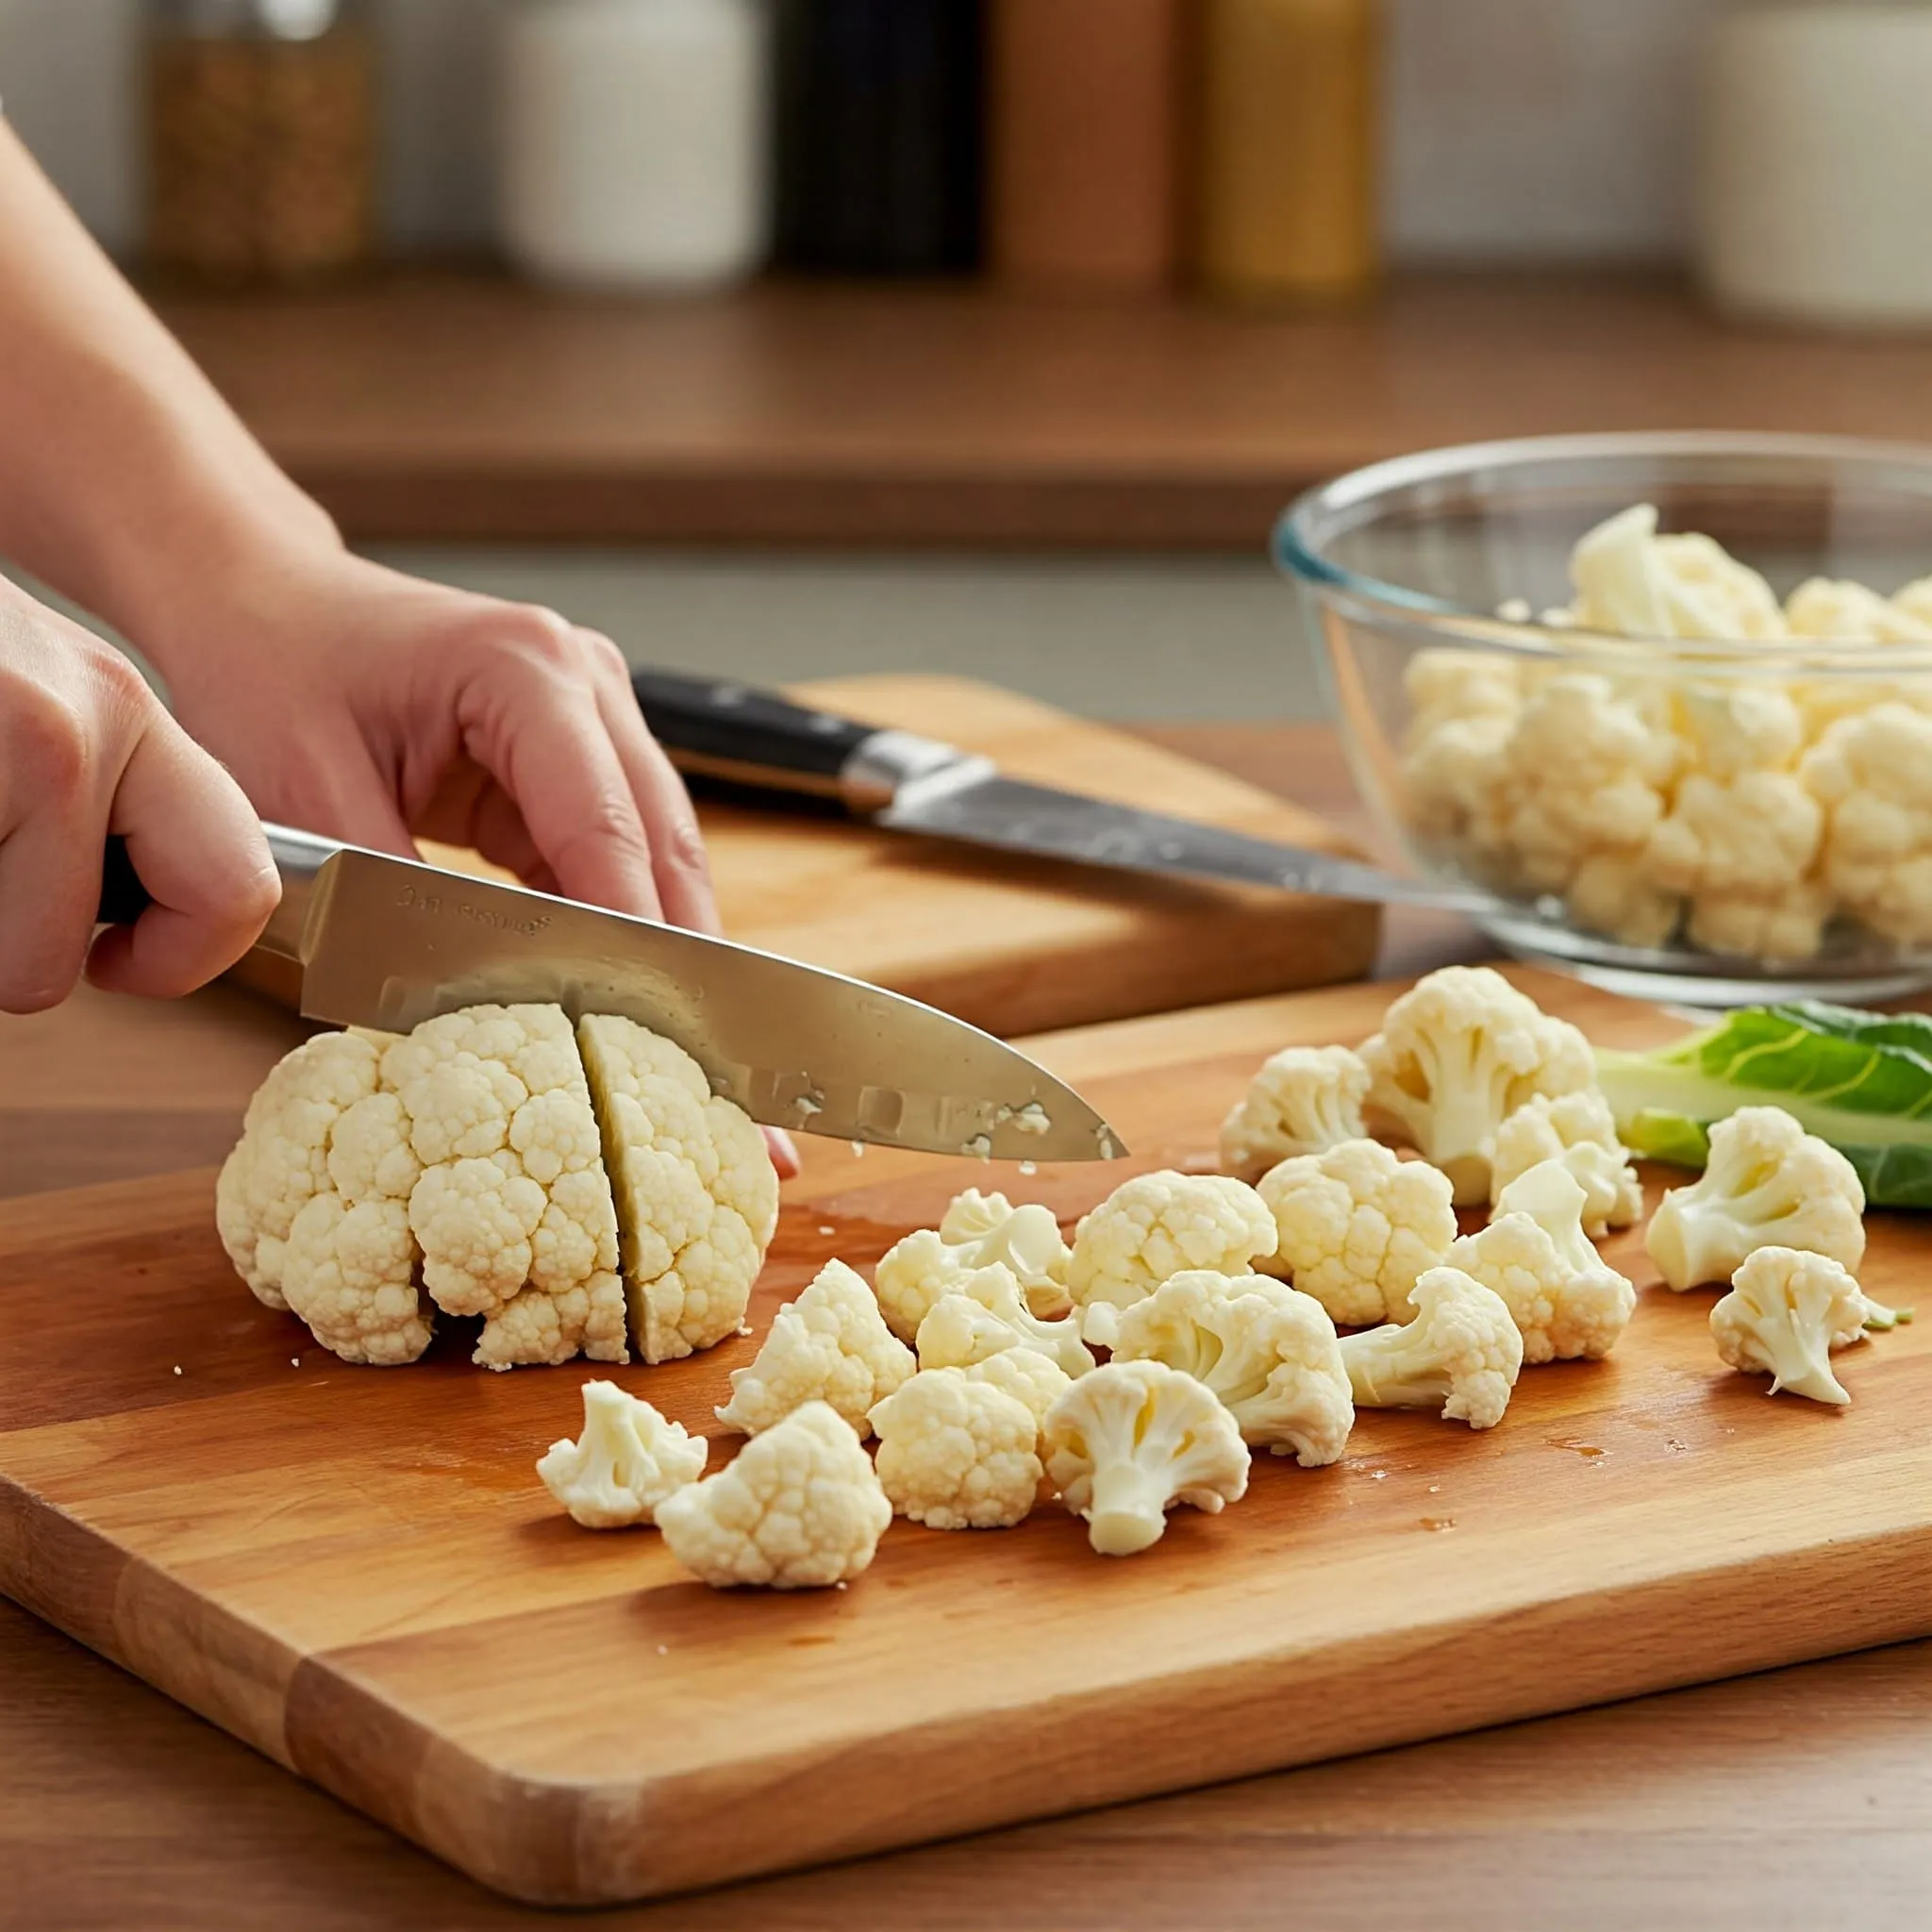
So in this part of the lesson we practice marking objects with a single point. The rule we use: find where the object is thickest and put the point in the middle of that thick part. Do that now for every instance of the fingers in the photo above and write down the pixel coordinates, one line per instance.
(784, 1155)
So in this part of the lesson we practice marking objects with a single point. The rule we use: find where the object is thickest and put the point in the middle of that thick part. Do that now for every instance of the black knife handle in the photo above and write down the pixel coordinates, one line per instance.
(124, 898)
(716, 729)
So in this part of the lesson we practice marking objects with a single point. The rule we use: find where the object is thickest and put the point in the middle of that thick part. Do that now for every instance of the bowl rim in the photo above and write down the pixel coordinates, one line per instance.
(1905, 467)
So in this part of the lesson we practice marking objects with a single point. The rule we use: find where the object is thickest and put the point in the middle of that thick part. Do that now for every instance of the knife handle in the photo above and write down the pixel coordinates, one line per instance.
(713, 728)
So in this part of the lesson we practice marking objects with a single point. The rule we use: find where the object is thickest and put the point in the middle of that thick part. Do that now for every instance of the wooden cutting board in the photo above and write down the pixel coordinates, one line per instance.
(357, 1571)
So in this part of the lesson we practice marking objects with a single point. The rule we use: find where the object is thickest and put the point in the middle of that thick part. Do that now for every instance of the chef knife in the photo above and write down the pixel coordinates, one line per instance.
(388, 942)
(761, 740)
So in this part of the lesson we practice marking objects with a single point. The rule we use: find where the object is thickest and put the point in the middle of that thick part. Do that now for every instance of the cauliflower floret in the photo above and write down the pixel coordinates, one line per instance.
(800, 1508)
(1454, 793)
(1267, 1351)
(957, 1453)
(1030, 1378)
(985, 1314)
(1444, 687)
(1156, 1226)
(1786, 1312)
(1461, 1353)
(1767, 1183)
(1565, 1298)
(1460, 1053)
(830, 1345)
(1579, 1130)
(1304, 1100)
(625, 1463)
(979, 1231)
(1614, 893)
(1126, 1443)
(697, 1197)
(1785, 929)
(1872, 773)
(1756, 834)
(1634, 583)
(1356, 1225)
(1839, 611)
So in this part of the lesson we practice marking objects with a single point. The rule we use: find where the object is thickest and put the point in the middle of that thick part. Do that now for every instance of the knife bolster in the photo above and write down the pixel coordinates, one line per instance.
(889, 761)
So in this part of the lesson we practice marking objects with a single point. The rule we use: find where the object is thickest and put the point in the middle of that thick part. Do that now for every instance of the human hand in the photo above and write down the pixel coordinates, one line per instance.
(86, 751)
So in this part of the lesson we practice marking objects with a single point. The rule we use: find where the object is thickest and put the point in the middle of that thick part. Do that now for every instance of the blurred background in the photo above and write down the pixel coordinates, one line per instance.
(790, 338)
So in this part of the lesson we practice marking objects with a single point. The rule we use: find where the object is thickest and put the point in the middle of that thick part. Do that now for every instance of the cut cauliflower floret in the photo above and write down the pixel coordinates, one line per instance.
(1030, 1378)
(830, 1345)
(799, 1508)
(1356, 1225)
(1613, 892)
(1460, 1353)
(1634, 583)
(1266, 1350)
(979, 1231)
(1128, 1443)
(1786, 928)
(697, 1197)
(626, 1461)
(1156, 1226)
(1458, 1054)
(1873, 773)
(985, 1314)
(1786, 1312)
(1444, 687)
(957, 1453)
(1565, 1298)
(1839, 611)
(1579, 1130)
(1303, 1100)
(1767, 1183)
(1756, 834)
(1455, 797)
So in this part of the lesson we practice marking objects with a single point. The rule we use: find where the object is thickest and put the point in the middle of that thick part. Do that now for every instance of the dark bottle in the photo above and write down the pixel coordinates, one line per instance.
(879, 114)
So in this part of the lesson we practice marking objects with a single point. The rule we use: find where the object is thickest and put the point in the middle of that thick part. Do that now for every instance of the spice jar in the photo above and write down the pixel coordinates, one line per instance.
(261, 139)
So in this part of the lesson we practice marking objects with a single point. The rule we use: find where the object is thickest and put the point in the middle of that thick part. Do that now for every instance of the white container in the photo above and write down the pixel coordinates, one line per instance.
(1817, 166)
(635, 141)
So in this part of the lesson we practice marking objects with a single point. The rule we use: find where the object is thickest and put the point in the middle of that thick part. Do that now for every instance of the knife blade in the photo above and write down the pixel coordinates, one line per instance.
(389, 942)
(761, 740)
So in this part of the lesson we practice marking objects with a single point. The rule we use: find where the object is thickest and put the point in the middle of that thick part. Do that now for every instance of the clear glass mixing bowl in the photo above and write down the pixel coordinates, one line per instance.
(1404, 561)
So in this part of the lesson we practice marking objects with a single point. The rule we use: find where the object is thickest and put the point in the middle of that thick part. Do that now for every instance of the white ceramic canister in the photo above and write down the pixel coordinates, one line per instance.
(1816, 203)
(636, 141)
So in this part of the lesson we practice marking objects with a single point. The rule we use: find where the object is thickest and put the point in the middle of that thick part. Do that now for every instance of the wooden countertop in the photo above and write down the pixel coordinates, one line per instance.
(1798, 1798)
(461, 407)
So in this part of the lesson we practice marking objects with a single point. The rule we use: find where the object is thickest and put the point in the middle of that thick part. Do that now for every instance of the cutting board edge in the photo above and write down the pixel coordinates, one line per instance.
(505, 1829)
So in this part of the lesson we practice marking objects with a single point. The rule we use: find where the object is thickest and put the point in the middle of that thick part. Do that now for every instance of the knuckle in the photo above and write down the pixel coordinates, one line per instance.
(681, 846)
(604, 653)
(52, 747)
(535, 635)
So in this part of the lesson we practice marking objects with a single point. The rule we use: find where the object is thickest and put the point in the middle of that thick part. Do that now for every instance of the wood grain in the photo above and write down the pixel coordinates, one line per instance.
(461, 407)
(355, 1571)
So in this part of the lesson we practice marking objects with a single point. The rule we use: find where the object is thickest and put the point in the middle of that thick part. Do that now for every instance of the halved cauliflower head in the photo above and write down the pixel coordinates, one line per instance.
(1128, 1443)
(626, 1461)
(831, 1345)
(1266, 1350)
(1460, 1353)
(1567, 1300)
(1157, 1225)
(1578, 1130)
(1304, 1100)
(1767, 1183)
(1457, 1055)
(979, 1231)
(799, 1508)
(1786, 1312)
(1356, 1225)
(955, 1452)
(984, 1315)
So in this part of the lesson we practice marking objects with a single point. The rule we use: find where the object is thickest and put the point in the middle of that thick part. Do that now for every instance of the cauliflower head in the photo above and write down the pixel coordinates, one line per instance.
(697, 1196)
(1128, 1443)
(1767, 1183)
(1567, 1300)
(1356, 1225)
(985, 1315)
(1457, 1055)
(1266, 1350)
(1155, 1226)
(956, 1453)
(1460, 1353)
(979, 1231)
(1579, 1130)
(832, 1346)
(1873, 773)
(1786, 1312)
(799, 1508)
(1304, 1100)
(627, 1460)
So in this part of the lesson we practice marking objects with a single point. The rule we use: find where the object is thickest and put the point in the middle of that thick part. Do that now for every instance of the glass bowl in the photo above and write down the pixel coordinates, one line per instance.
(1799, 867)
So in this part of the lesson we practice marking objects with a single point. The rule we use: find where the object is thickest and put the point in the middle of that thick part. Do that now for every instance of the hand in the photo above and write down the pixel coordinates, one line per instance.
(86, 751)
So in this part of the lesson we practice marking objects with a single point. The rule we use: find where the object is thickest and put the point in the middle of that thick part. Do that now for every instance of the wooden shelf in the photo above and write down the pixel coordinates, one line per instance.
(462, 407)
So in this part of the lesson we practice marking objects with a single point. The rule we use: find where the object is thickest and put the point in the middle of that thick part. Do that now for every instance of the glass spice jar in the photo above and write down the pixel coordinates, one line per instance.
(262, 139)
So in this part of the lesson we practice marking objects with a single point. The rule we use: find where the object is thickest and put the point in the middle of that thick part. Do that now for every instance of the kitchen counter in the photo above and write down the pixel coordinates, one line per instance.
(1798, 1798)
(461, 406)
